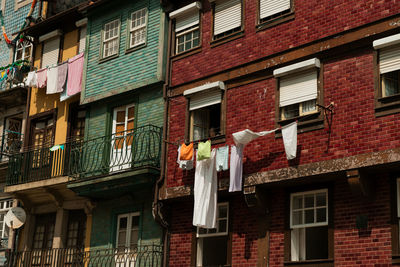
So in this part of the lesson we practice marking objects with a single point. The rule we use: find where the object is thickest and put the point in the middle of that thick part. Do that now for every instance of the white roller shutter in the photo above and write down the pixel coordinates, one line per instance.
(228, 15)
(389, 59)
(82, 39)
(204, 99)
(51, 50)
(272, 7)
(187, 20)
(298, 88)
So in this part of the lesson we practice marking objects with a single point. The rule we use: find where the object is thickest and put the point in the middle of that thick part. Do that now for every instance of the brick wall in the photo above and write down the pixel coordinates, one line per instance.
(314, 19)
(352, 247)
(348, 82)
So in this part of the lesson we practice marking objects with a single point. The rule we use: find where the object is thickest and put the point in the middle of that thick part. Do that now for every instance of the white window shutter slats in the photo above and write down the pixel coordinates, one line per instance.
(298, 88)
(228, 15)
(187, 20)
(204, 99)
(389, 59)
(82, 39)
(51, 50)
(272, 7)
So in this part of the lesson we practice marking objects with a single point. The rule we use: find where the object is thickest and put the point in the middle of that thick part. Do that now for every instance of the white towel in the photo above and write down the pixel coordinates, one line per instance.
(52, 80)
(289, 135)
(236, 169)
(246, 136)
(31, 79)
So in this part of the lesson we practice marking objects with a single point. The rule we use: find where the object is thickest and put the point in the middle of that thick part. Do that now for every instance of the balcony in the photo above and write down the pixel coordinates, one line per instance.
(118, 153)
(143, 256)
(10, 143)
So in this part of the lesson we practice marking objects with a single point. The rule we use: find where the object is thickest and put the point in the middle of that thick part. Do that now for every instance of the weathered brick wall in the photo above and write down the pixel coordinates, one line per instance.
(348, 82)
(314, 19)
(352, 247)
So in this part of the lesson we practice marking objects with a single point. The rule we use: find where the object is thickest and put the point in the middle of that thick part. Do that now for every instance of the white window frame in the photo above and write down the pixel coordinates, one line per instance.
(110, 39)
(132, 30)
(217, 233)
(5, 206)
(128, 229)
(23, 48)
(307, 225)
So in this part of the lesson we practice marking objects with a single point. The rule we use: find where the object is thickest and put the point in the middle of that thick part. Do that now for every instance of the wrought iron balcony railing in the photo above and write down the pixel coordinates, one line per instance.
(10, 143)
(124, 151)
(143, 256)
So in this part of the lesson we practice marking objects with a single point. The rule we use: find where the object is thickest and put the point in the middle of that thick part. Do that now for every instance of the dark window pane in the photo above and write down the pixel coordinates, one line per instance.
(309, 216)
(214, 251)
(321, 199)
(309, 201)
(321, 215)
(316, 243)
(390, 83)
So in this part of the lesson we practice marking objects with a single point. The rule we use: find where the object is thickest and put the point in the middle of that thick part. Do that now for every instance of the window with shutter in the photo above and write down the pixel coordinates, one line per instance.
(82, 39)
(51, 50)
(187, 31)
(227, 17)
(270, 9)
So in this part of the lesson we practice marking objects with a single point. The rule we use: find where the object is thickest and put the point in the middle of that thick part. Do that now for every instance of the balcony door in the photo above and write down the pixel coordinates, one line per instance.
(122, 138)
(42, 254)
(127, 240)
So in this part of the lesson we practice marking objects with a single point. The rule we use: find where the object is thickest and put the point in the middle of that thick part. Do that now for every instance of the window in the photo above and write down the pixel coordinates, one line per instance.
(51, 50)
(77, 117)
(309, 225)
(128, 231)
(205, 111)
(187, 31)
(270, 9)
(23, 50)
(227, 17)
(5, 205)
(111, 38)
(212, 244)
(82, 39)
(138, 28)
(298, 89)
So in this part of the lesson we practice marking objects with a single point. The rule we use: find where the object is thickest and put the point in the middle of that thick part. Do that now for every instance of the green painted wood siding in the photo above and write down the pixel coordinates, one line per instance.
(130, 70)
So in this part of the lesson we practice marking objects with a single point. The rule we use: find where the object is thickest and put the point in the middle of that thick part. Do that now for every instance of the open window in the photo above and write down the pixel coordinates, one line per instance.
(187, 27)
(206, 111)
(212, 244)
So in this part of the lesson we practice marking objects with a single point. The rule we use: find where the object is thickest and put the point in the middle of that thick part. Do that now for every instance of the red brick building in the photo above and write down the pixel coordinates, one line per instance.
(332, 66)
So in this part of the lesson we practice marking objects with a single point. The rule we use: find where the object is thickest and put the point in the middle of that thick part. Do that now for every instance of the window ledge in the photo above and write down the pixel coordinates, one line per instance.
(275, 21)
(228, 38)
(315, 122)
(137, 47)
(319, 263)
(387, 105)
(396, 258)
(186, 53)
(104, 59)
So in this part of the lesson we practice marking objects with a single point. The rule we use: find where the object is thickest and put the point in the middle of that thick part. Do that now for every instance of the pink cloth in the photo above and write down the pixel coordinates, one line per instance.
(75, 71)
(42, 78)
(62, 77)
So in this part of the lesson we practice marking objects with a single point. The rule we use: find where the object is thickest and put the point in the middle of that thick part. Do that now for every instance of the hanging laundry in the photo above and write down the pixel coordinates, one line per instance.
(41, 78)
(204, 150)
(75, 71)
(222, 158)
(246, 136)
(31, 79)
(186, 152)
(62, 77)
(52, 77)
(184, 164)
(289, 135)
(205, 193)
(236, 168)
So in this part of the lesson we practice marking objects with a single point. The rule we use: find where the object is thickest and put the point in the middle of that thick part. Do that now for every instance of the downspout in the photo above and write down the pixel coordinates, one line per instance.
(157, 206)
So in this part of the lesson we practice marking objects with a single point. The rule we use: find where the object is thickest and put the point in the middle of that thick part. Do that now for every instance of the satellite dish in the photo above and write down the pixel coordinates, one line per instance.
(15, 218)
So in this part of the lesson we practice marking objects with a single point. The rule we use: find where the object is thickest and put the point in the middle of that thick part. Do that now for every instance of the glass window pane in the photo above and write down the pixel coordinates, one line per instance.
(390, 83)
(297, 202)
(309, 106)
(123, 223)
(222, 226)
(321, 215)
(214, 251)
(222, 212)
(316, 243)
(297, 217)
(309, 201)
(135, 221)
(321, 199)
(309, 216)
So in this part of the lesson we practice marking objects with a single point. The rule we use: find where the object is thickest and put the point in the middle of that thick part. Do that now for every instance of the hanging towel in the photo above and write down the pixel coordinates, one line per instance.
(236, 168)
(222, 158)
(204, 150)
(186, 152)
(289, 135)
(246, 136)
(205, 193)
(75, 71)
(62, 77)
(41, 77)
(184, 164)
(52, 77)
(31, 79)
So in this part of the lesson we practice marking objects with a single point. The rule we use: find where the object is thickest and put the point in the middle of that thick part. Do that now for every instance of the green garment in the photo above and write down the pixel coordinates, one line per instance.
(204, 150)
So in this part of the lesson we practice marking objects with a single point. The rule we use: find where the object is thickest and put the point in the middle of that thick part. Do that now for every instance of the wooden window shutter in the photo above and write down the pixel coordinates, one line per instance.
(228, 15)
(272, 7)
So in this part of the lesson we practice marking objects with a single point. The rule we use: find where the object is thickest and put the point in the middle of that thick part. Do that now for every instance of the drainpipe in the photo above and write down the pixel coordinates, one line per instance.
(157, 206)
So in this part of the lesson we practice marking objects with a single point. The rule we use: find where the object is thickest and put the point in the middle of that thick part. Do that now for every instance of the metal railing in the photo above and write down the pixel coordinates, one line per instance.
(142, 256)
(123, 151)
(10, 143)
